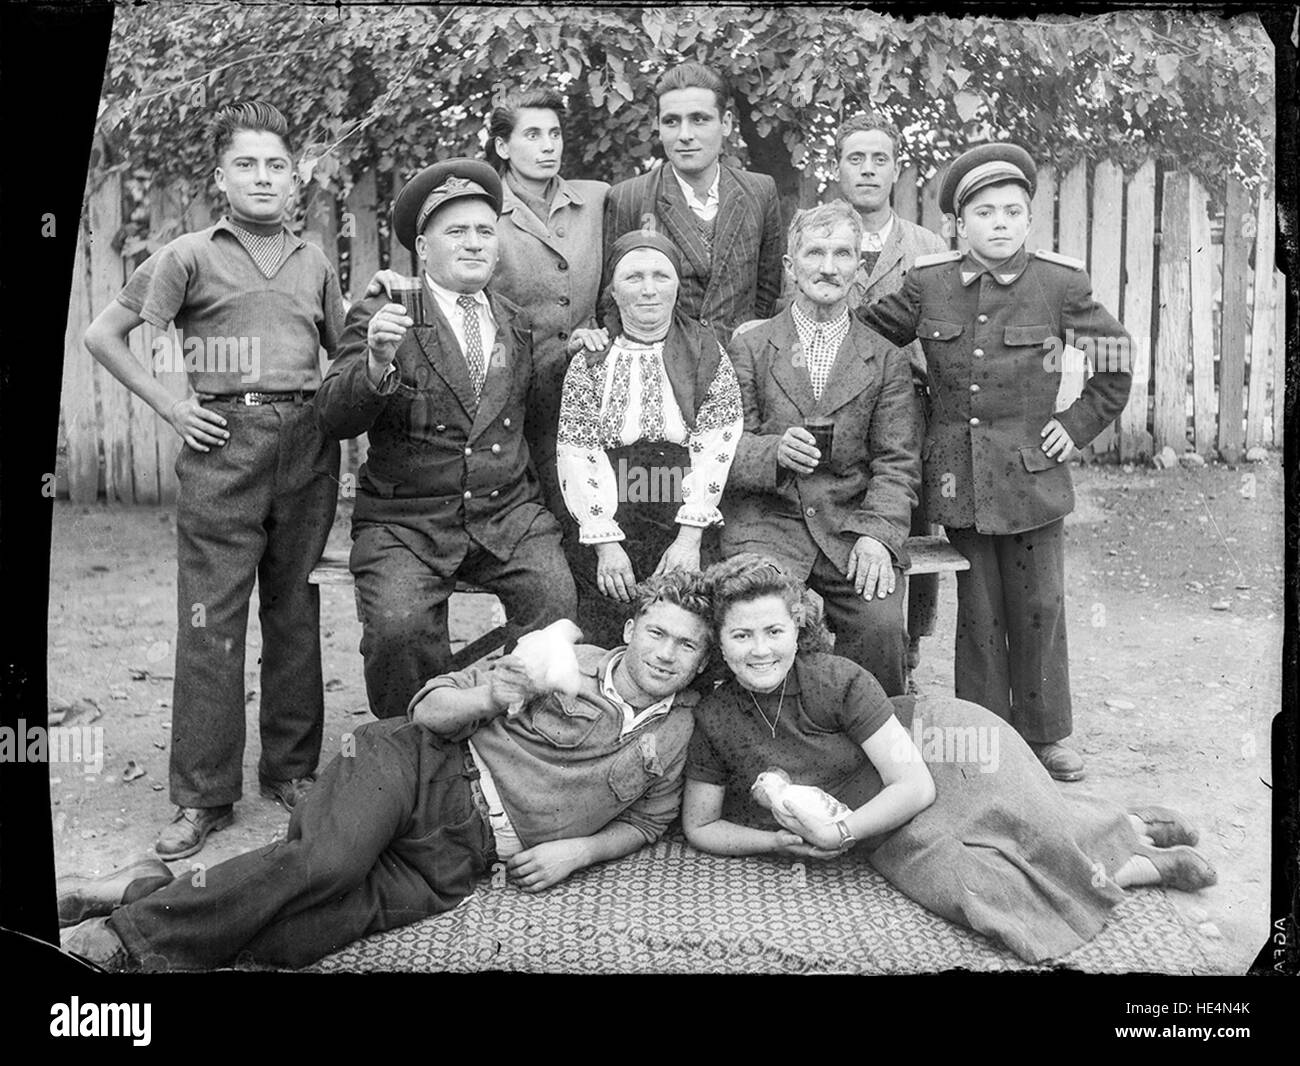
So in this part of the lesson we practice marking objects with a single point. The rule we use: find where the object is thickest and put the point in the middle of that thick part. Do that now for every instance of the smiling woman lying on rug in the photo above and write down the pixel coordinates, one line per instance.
(956, 811)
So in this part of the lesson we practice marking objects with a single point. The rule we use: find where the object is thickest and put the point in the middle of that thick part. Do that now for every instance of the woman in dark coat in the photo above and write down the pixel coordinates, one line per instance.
(953, 807)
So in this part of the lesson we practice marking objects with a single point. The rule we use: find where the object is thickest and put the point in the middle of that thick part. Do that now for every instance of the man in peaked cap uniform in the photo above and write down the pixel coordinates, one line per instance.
(447, 489)
(994, 322)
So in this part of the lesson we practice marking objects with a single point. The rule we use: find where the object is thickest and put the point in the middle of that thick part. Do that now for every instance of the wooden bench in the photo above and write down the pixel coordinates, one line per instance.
(930, 555)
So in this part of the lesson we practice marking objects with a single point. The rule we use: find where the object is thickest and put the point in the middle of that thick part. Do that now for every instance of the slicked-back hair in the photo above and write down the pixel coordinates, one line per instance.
(250, 115)
(681, 588)
(695, 76)
(823, 218)
(505, 117)
(749, 576)
(864, 122)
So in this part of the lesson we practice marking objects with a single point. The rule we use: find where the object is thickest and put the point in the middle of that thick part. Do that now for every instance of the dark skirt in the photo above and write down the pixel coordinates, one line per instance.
(1003, 849)
(649, 475)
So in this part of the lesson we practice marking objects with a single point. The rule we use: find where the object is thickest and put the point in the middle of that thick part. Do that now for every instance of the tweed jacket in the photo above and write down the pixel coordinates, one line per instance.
(867, 486)
(553, 274)
(740, 279)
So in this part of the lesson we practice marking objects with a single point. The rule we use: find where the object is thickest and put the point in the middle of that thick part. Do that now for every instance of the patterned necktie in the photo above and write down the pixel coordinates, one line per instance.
(473, 341)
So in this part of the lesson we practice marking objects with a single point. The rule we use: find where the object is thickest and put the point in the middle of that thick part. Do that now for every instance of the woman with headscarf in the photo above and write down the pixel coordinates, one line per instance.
(649, 424)
(550, 254)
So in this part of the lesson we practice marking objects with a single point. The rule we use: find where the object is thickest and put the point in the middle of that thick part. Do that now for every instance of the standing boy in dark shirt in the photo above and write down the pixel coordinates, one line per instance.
(994, 322)
(253, 305)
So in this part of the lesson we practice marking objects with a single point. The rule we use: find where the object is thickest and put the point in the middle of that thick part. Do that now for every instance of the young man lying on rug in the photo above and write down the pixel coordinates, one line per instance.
(494, 763)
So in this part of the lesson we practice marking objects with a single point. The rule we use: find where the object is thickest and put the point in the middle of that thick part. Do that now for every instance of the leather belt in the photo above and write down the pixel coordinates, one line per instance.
(256, 399)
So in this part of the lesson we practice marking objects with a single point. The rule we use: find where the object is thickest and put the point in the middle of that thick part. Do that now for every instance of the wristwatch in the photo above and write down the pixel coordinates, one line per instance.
(847, 839)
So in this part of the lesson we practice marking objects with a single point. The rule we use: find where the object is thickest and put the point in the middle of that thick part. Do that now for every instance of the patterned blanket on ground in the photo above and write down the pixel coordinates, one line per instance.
(672, 909)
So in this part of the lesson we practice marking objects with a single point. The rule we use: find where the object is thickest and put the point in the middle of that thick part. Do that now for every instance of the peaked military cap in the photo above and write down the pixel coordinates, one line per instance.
(434, 186)
(984, 165)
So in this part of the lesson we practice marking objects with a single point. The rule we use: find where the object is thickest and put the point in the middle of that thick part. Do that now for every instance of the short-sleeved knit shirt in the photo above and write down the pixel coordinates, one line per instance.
(238, 330)
(816, 745)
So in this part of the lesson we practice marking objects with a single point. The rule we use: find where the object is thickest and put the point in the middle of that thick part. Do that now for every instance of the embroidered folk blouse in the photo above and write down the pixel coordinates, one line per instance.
(626, 398)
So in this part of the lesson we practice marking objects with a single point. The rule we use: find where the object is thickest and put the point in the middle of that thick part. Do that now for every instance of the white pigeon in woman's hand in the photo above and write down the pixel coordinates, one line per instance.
(804, 809)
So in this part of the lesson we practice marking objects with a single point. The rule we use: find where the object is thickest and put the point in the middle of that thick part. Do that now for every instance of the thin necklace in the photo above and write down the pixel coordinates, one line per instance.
(771, 723)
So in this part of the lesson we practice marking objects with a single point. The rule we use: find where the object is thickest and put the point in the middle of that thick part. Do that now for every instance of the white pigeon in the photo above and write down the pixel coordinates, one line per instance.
(813, 809)
(549, 658)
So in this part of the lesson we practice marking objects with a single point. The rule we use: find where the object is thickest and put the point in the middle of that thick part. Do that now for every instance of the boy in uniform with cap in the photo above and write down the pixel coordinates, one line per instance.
(993, 322)
(258, 480)
(447, 489)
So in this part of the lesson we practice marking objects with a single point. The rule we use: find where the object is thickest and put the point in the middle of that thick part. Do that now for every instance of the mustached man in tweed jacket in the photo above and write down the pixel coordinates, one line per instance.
(725, 221)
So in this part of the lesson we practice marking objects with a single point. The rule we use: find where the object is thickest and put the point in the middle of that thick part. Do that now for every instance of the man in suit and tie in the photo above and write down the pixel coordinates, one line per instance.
(725, 221)
(867, 149)
(835, 511)
(447, 490)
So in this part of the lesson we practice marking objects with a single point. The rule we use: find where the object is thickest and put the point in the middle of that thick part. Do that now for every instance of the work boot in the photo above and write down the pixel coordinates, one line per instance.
(190, 828)
(90, 897)
(288, 793)
(96, 942)
(1064, 764)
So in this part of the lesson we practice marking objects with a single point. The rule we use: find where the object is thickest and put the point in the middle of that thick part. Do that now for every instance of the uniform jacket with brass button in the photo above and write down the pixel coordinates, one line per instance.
(866, 486)
(443, 463)
(993, 348)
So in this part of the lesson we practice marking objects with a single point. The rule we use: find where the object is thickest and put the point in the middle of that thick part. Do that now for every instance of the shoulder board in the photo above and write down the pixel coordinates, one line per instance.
(1060, 260)
(935, 258)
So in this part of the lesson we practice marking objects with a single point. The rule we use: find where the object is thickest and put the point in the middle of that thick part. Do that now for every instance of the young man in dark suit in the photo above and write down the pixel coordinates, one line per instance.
(447, 489)
(725, 221)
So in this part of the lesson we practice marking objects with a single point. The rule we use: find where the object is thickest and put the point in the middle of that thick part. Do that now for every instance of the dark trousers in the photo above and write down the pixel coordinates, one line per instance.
(870, 632)
(388, 835)
(402, 603)
(922, 590)
(1011, 654)
(259, 508)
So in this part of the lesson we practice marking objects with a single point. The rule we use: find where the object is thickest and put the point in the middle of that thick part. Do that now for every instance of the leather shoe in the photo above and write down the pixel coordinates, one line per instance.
(1181, 867)
(1166, 827)
(190, 828)
(90, 897)
(287, 793)
(96, 942)
(1064, 764)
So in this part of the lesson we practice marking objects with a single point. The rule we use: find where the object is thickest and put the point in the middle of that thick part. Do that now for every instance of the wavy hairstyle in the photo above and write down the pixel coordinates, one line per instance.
(681, 588)
(749, 576)
(250, 115)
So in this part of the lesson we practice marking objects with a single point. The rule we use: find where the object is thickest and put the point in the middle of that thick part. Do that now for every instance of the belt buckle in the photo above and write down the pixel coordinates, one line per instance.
(249, 399)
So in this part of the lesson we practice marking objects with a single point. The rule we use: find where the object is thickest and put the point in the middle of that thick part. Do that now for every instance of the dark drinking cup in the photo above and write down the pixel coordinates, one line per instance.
(823, 437)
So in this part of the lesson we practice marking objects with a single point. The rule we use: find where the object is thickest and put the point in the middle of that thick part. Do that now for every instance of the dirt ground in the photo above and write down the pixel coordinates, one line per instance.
(1175, 605)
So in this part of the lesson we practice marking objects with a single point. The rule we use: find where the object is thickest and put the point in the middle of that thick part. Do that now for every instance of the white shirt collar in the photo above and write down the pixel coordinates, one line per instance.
(710, 197)
(883, 233)
(632, 718)
(449, 297)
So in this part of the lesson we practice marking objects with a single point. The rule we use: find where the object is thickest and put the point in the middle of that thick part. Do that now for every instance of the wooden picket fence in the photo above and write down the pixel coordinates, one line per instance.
(1200, 297)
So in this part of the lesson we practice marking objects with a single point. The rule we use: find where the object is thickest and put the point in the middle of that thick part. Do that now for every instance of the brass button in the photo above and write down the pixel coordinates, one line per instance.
(982, 319)
(978, 352)
(974, 421)
(811, 512)
(468, 494)
(563, 301)
(494, 494)
(559, 231)
(440, 427)
(496, 449)
(562, 335)
(974, 388)
(935, 334)
(562, 265)
(505, 422)
(469, 451)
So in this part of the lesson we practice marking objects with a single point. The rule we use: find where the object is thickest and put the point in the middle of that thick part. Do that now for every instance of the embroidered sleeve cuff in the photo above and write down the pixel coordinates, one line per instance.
(600, 533)
(699, 516)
